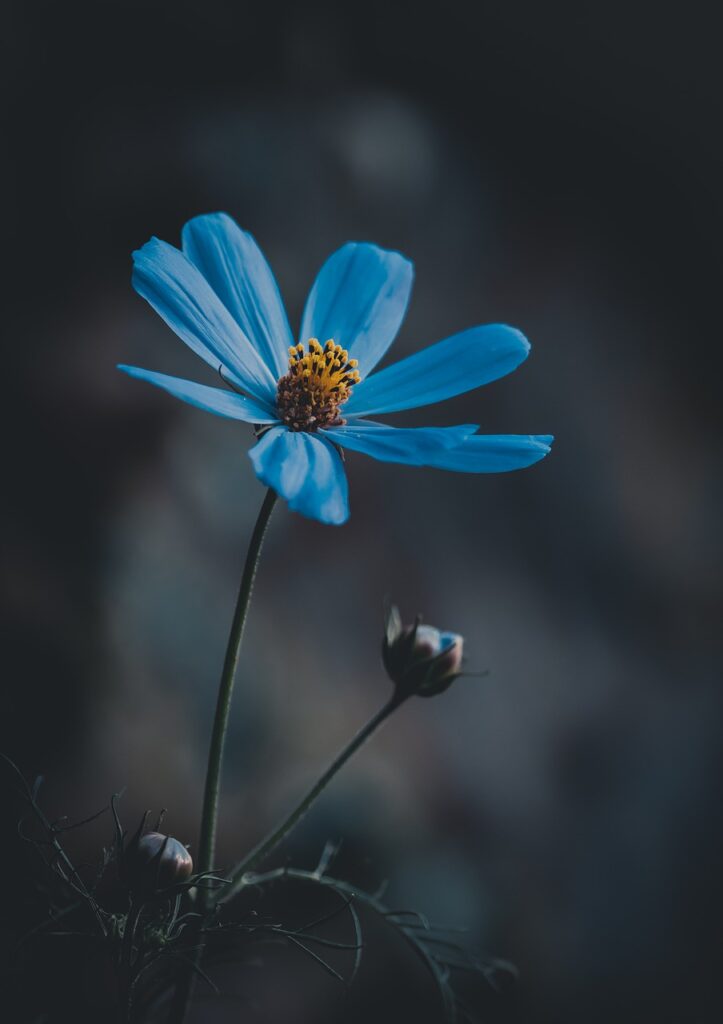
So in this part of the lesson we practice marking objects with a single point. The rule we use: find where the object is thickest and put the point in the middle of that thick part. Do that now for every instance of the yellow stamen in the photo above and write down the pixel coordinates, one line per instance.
(316, 384)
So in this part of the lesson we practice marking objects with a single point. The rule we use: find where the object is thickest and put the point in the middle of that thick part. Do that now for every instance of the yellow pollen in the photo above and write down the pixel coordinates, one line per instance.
(316, 384)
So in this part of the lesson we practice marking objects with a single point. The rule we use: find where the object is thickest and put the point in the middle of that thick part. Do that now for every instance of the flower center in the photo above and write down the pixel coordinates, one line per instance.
(318, 382)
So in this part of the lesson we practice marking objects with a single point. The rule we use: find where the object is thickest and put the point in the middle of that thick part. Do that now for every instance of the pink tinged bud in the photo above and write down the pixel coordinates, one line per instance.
(420, 659)
(155, 862)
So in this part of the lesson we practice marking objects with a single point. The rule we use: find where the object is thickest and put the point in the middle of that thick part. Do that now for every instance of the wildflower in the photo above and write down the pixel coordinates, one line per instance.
(309, 399)
(420, 659)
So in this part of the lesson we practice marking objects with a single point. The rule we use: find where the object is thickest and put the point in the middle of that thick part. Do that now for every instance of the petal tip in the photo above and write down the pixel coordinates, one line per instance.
(521, 338)
(542, 447)
(206, 218)
(379, 250)
(330, 519)
(543, 441)
(153, 243)
(512, 337)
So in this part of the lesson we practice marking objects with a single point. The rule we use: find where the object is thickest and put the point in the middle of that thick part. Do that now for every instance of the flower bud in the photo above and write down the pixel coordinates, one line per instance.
(154, 862)
(420, 659)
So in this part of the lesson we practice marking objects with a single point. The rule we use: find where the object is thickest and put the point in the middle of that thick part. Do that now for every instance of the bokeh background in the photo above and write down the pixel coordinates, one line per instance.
(556, 167)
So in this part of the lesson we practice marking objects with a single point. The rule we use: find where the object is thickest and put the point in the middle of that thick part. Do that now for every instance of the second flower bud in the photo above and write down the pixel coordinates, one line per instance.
(420, 660)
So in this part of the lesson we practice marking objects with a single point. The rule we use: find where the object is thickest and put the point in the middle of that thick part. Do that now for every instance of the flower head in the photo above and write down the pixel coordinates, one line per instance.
(312, 397)
(420, 659)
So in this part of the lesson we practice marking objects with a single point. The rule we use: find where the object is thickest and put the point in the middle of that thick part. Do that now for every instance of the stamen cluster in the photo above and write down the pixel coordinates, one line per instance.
(318, 382)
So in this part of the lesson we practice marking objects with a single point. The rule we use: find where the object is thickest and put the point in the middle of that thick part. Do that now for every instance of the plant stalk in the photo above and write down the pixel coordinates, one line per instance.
(209, 818)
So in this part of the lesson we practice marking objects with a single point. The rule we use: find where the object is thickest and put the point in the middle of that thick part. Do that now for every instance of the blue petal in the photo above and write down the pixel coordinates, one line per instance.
(359, 299)
(491, 453)
(236, 269)
(414, 446)
(306, 471)
(217, 400)
(188, 304)
(451, 367)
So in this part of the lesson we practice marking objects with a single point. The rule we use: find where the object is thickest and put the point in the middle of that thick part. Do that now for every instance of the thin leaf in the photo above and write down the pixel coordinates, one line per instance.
(320, 960)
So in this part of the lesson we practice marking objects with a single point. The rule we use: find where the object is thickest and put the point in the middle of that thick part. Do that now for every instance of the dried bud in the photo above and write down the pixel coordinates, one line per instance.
(153, 862)
(420, 659)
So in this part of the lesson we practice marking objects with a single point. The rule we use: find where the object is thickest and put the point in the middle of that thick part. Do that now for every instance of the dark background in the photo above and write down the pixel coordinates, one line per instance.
(557, 167)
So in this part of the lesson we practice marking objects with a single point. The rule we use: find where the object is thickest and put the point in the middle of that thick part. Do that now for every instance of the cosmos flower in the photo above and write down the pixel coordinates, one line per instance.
(309, 399)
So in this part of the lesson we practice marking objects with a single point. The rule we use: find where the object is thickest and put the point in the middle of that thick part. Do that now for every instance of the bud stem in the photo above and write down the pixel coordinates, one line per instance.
(262, 849)
(209, 819)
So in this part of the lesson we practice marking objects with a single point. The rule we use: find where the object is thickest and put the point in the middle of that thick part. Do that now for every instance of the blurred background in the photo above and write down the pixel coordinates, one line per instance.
(556, 167)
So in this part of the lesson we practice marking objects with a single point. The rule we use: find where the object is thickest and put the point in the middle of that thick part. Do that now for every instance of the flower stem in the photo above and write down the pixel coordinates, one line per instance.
(262, 849)
(209, 819)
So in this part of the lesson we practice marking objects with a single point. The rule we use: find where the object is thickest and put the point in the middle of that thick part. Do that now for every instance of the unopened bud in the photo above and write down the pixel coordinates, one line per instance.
(420, 659)
(154, 862)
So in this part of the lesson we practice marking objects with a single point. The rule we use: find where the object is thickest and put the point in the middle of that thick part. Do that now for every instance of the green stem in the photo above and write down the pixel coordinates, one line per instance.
(209, 819)
(262, 849)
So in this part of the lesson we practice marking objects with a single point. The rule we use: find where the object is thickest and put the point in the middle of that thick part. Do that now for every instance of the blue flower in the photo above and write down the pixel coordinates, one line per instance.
(309, 399)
